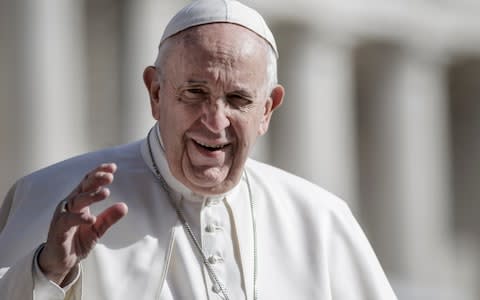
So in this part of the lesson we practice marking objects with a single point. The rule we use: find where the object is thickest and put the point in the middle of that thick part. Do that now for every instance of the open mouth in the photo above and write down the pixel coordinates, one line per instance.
(211, 148)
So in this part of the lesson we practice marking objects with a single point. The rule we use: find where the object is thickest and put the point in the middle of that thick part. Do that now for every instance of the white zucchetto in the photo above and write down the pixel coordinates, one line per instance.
(219, 11)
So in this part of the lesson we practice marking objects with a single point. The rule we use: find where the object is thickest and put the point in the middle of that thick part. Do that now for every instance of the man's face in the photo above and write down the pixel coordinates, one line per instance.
(211, 102)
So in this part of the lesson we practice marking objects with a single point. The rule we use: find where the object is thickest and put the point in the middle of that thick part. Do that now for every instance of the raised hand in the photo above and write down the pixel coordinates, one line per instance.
(74, 231)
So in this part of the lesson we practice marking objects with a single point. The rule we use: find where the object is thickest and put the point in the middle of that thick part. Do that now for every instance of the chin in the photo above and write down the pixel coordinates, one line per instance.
(211, 185)
(223, 181)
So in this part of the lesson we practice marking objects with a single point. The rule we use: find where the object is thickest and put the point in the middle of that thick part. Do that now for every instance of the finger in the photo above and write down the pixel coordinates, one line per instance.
(106, 167)
(78, 203)
(109, 217)
(95, 178)
(102, 175)
(92, 186)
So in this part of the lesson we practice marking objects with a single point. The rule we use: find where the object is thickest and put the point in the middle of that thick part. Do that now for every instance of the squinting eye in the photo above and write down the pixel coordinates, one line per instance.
(195, 91)
(239, 101)
(193, 95)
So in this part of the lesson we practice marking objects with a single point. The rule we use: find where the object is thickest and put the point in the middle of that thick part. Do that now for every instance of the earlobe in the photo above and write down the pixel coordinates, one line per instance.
(277, 96)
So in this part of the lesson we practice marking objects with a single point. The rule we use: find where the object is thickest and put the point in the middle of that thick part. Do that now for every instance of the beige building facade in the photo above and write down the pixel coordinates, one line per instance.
(382, 108)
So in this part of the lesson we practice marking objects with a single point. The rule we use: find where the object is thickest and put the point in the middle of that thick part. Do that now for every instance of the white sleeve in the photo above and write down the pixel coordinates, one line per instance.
(45, 288)
(24, 280)
(16, 281)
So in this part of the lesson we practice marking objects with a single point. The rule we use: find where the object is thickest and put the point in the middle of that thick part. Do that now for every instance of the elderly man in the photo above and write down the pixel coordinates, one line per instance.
(204, 221)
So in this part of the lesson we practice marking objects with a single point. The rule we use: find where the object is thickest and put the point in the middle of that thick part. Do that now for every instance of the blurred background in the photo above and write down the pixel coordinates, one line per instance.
(382, 108)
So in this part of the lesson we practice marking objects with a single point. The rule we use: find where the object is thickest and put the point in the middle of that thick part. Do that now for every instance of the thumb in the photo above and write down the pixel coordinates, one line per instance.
(108, 217)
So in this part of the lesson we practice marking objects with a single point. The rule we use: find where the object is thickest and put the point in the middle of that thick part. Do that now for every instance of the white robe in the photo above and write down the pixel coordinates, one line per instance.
(309, 244)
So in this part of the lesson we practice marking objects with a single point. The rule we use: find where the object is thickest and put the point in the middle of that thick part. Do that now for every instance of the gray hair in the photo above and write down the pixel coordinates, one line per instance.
(272, 77)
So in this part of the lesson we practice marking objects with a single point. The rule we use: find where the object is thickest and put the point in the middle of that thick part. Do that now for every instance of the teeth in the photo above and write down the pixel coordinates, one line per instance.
(211, 146)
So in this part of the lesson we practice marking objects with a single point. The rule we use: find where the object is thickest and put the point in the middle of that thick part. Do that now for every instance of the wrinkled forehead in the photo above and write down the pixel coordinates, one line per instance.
(224, 37)
(221, 55)
(217, 39)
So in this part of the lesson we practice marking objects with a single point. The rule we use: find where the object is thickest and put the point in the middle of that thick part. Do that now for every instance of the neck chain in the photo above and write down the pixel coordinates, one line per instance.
(191, 235)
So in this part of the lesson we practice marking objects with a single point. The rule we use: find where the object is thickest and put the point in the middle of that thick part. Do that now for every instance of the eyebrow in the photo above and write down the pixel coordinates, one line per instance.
(242, 92)
(191, 81)
(239, 90)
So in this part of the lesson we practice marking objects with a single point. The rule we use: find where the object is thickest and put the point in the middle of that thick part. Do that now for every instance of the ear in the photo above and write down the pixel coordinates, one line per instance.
(151, 80)
(272, 103)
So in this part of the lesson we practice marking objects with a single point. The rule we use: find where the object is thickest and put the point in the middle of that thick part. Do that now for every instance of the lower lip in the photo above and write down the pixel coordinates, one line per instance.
(208, 153)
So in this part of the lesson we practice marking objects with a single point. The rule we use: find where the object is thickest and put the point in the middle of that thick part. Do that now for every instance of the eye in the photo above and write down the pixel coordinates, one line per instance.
(239, 101)
(193, 95)
(195, 91)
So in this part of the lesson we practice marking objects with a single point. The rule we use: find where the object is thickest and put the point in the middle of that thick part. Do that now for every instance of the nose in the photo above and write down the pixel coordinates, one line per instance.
(214, 116)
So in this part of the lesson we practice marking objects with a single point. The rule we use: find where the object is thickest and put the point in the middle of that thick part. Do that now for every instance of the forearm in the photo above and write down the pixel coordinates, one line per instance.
(60, 279)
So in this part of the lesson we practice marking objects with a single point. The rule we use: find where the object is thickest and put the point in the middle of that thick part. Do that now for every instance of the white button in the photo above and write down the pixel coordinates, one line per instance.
(212, 259)
(216, 288)
(212, 201)
(215, 259)
(210, 228)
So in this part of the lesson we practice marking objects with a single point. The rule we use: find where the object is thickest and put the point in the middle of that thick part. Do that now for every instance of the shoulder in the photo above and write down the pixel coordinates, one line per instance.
(312, 216)
(124, 156)
(293, 192)
(38, 193)
(59, 179)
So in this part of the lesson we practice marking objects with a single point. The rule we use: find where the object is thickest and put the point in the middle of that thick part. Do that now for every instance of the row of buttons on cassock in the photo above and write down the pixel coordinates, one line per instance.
(213, 228)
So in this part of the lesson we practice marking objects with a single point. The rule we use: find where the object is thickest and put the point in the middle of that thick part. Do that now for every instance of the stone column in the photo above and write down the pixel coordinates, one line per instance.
(404, 165)
(145, 21)
(313, 132)
(44, 104)
(103, 32)
(7, 165)
(465, 114)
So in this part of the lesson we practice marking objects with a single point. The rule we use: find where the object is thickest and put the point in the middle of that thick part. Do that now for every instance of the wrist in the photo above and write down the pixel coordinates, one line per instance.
(54, 272)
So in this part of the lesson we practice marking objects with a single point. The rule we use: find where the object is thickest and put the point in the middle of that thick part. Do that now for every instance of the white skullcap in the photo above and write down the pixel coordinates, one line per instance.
(201, 12)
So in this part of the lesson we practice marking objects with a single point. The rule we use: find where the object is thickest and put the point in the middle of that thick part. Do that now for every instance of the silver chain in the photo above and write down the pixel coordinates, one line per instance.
(191, 235)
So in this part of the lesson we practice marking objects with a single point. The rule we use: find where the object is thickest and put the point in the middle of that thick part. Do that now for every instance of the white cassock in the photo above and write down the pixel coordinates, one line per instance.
(302, 241)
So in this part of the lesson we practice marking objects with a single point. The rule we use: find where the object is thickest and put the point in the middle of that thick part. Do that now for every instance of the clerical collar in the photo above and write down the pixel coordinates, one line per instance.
(158, 153)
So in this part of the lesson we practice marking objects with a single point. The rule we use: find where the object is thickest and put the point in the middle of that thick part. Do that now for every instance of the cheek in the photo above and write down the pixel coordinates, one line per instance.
(247, 131)
(177, 122)
(255, 121)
